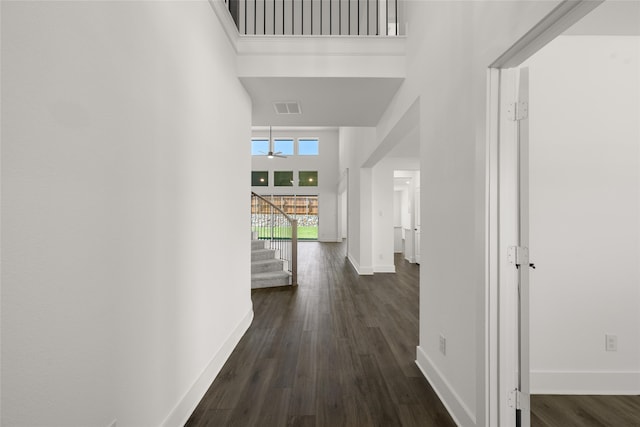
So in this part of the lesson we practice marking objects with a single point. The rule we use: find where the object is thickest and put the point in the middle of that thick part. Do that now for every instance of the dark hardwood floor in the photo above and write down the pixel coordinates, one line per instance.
(337, 351)
(585, 411)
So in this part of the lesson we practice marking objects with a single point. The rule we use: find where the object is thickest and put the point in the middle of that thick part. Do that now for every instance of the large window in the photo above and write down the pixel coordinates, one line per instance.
(283, 146)
(303, 208)
(308, 147)
(259, 147)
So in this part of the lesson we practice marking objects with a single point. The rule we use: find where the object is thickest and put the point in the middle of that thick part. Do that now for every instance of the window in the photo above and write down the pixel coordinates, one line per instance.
(259, 147)
(260, 178)
(284, 146)
(283, 178)
(308, 147)
(308, 178)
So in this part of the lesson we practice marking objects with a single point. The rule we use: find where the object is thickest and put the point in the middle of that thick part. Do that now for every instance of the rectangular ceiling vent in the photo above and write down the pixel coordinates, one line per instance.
(289, 107)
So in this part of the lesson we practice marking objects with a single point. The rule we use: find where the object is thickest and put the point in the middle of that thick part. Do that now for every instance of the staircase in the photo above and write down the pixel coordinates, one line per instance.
(266, 270)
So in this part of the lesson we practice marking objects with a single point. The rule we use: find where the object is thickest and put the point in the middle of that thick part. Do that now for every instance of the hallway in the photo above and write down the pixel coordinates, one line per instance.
(338, 351)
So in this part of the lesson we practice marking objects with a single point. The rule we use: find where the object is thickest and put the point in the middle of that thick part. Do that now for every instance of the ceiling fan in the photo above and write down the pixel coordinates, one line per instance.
(271, 154)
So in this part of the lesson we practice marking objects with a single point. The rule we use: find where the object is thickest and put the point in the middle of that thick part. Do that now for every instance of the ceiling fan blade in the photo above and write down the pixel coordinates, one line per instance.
(279, 155)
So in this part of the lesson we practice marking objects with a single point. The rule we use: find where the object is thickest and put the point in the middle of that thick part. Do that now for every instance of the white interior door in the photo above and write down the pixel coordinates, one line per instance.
(513, 383)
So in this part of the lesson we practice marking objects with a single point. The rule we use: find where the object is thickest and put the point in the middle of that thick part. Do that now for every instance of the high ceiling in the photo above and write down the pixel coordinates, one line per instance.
(324, 101)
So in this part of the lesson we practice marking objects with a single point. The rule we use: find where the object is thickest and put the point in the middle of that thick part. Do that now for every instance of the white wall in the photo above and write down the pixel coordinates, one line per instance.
(326, 163)
(355, 144)
(450, 45)
(119, 299)
(383, 217)
(585, 210)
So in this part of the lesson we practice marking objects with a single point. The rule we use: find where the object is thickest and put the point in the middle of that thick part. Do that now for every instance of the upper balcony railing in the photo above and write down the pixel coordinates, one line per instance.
(316, 17)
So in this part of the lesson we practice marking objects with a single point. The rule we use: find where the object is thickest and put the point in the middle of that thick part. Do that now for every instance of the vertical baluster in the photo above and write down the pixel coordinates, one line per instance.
(377, 17)
(330, 17)
(264, 17)
(311, 17)
(397, 32)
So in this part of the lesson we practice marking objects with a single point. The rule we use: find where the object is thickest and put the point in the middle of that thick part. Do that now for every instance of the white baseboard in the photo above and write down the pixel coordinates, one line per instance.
(185, 407)
(460, 413)
(411, 259)
(363, 271)
(384, 269)
(549, 382)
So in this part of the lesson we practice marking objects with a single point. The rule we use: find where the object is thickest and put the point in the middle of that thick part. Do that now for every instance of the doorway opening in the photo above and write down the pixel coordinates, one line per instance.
(558, 183)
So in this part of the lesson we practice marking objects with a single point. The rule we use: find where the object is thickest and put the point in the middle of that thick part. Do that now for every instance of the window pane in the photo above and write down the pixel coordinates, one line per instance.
(285, 146)
(259, 147)
(308, 178)
(283, 178)
(260, 178)
(308, 147)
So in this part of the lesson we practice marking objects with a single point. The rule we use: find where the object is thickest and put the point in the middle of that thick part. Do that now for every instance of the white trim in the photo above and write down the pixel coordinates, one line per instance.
(226, 20)
(384, 268)
(185, 407)
(456, 407)
(491, 266)
(362, 271)
(555, 23)
(325, 45)
(550, 382)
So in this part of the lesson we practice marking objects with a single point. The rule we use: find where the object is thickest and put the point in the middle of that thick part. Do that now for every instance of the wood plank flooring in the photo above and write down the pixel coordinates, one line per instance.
(337, 351)
(585, 411)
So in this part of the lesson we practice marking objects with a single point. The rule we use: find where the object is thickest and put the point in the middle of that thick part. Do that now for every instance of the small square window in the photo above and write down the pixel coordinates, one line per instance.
(283, 178)
(260, 178)
(308, 147)
(308, 178)
(259, 147)
(283, 146)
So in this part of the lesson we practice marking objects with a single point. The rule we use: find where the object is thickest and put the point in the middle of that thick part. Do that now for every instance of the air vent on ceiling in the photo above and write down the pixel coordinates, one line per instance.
(289, 107)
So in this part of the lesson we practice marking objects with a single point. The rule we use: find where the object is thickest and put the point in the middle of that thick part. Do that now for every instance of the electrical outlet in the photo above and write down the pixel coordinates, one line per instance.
(443, 345)
(611, 342)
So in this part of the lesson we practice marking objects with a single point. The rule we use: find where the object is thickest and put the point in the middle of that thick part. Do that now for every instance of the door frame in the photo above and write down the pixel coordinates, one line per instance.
(555, 23)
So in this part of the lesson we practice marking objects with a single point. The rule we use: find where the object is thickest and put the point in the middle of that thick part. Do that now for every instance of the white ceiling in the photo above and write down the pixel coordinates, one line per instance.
(325, 101)
(611, 18)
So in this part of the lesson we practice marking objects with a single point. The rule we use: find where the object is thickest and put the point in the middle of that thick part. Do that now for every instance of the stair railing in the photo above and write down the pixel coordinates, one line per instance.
(270, 223)
(315, 17)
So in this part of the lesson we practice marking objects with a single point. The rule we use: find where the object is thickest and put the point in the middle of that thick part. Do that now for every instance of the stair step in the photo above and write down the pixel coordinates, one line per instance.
(266, 266)
(262, 254)
(258, 244)
(270, 279)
